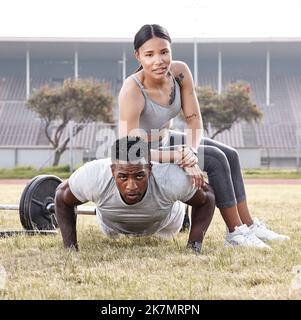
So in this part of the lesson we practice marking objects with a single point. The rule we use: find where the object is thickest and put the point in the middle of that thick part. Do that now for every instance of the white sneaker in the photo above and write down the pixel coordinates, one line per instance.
(243, 236)
(262, 232)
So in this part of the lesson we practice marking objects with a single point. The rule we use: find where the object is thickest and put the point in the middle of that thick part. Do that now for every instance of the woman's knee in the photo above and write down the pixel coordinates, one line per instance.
(216, 159)
(232, 156)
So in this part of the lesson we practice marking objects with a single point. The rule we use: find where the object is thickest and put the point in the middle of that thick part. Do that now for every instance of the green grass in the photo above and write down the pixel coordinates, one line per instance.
(63, 172)
(271, 174)
(28, 172)
(150, 268)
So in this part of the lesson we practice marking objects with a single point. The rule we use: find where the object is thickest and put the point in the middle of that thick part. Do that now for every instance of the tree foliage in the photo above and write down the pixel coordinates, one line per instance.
(222, 111)
(81, 101)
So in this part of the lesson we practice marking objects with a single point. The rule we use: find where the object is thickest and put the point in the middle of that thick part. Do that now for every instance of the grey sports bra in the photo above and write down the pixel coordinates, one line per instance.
(154, 115)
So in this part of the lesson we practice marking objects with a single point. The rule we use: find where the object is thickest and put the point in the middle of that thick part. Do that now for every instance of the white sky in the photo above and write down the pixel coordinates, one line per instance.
(123, 18)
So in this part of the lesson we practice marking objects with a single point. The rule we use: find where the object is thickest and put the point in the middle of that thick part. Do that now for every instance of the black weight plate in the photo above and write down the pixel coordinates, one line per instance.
(39, 194)
(23, 220)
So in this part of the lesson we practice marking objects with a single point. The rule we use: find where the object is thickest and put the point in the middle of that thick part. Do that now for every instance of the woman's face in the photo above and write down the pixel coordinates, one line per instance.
(155, 57)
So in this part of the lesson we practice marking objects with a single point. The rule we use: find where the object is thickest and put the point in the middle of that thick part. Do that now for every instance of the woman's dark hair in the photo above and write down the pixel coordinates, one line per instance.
(147, 32)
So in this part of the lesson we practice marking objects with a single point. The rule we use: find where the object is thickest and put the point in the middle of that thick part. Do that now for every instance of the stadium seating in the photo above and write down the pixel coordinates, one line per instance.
(275, 133)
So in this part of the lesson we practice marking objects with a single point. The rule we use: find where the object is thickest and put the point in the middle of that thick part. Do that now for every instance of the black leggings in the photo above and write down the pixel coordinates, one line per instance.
(221, 163)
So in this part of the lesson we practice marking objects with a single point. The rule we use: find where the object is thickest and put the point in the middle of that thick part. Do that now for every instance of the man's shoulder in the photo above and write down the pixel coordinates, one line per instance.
(106, 162)
(94, 168)
(89, 181)
(173, 182)
(168, 171)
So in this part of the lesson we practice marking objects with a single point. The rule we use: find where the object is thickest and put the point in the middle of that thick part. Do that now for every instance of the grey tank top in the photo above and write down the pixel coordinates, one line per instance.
(154, 115)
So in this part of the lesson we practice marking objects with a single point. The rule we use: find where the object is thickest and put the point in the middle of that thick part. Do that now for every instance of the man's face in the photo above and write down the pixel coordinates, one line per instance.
(131, 180)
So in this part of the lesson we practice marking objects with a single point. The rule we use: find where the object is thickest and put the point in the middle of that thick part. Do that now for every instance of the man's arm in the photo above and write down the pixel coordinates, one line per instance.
(203, 206)
(65, 202)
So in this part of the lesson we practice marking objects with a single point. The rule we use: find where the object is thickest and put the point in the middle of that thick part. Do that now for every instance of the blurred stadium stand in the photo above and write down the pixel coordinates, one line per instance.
(273, 142)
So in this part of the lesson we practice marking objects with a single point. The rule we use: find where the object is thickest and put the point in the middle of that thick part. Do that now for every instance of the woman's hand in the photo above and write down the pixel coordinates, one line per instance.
(196, 175)
(188, 157)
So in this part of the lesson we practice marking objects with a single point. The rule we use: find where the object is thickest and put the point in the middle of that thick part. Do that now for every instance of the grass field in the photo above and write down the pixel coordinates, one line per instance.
(27, 172)
(149, 268)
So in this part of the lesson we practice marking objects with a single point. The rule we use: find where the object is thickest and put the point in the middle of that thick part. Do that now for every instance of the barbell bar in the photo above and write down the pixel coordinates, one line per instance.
(85, 210)
(36, 207)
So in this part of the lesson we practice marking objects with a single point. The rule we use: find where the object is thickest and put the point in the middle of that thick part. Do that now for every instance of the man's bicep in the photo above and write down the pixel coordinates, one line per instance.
(64, 195)
(202, 196)
(179, 184)
(197, 199)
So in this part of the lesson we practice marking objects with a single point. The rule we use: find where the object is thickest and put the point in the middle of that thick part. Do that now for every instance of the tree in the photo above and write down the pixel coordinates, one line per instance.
(82, 101)
(223, 110)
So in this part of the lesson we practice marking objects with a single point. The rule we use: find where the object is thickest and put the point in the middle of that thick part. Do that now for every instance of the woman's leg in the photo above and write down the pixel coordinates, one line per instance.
(219, 175)
(237, 180)
(257, 227)
(213, 161)
(222, 165)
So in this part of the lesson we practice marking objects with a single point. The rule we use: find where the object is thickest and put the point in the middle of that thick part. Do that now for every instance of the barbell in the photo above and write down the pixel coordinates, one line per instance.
(36, 207)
